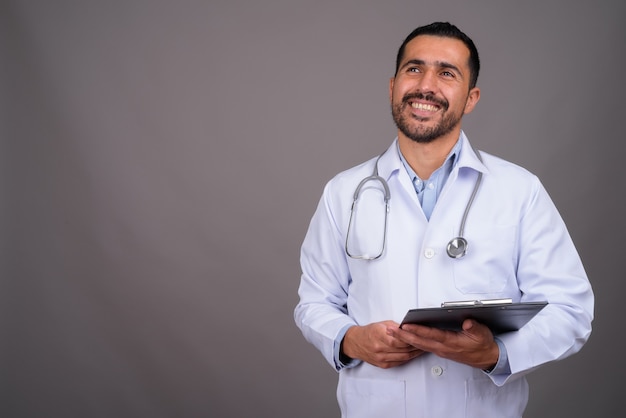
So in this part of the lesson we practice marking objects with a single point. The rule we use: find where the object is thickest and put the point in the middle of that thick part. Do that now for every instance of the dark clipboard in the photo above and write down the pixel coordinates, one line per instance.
(500, 317)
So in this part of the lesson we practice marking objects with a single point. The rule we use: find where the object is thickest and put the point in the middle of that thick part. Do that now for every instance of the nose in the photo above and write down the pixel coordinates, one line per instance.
(427, 82)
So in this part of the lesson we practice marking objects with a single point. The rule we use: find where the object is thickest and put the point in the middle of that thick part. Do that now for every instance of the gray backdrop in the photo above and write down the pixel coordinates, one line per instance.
(161, 161)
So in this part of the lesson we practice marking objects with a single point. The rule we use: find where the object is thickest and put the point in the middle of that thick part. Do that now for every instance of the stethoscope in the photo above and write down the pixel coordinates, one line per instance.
(457, 246)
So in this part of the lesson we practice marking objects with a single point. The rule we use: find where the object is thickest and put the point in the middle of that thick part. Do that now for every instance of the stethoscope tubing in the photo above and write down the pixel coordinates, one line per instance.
(456, 248)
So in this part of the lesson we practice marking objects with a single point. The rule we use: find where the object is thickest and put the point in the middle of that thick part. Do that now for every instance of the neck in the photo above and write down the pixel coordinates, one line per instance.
(424, 159)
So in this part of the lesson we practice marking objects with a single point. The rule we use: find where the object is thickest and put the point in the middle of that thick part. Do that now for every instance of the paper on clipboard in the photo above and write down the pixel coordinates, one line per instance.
(499, 317)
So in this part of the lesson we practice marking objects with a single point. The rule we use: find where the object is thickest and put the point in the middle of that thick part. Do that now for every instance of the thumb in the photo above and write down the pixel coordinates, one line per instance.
(468, 324)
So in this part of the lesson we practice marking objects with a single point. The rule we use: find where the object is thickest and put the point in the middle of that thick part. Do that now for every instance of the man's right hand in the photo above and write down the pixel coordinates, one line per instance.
(372, 344)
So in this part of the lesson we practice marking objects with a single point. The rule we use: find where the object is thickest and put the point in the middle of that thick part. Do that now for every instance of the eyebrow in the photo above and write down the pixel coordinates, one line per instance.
(439, 64)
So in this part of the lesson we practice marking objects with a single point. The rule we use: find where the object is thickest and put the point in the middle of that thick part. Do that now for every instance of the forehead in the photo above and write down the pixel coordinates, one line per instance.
(430, 49)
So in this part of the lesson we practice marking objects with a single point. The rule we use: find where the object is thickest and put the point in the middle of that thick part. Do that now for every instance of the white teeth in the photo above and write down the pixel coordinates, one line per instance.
(422, 106)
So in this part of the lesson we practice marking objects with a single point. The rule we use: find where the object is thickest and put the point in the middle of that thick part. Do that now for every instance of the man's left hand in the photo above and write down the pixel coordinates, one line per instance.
(474, 345)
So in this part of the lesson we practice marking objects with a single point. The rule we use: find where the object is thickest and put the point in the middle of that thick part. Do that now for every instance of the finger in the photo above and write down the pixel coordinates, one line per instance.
(401, 358)
(467, 325)
(396, 344)
(421, 333)
(476, 330)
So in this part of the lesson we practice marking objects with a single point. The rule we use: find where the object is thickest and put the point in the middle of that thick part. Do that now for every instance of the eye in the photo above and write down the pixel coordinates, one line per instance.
(413, 70)
(447, 74)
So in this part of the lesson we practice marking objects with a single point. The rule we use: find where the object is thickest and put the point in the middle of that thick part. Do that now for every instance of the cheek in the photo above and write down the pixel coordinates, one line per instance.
(469, 106)
(395, 97)
(399, 91)
(459, 103)
(400, 88)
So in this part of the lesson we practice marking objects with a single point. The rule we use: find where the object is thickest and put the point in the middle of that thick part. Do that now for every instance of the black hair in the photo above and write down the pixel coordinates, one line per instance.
(445, 30)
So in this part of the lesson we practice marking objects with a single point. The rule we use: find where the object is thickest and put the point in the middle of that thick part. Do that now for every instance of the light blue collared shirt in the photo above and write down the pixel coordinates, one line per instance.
(428, 190)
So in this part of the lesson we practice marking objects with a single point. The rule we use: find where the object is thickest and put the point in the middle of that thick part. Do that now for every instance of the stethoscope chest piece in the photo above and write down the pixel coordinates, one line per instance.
(457, 247)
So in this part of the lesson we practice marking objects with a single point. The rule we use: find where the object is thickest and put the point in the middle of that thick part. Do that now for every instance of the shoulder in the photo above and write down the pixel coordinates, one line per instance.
(349, 179)
(498, 167)
(510, 181)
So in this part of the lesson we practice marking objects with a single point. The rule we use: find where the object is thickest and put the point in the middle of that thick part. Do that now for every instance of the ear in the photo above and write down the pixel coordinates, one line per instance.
(391, 81)
(472, 98)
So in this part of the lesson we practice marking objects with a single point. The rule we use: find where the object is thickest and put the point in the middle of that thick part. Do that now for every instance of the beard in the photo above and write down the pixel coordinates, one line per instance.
(417, 132)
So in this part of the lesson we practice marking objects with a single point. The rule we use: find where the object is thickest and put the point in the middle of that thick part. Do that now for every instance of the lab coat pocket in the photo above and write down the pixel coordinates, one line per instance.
(485, 399)
(489, 265)
(362, 398)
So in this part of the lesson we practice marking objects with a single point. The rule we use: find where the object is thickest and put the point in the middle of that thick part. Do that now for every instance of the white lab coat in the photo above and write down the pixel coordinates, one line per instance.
(519, 248)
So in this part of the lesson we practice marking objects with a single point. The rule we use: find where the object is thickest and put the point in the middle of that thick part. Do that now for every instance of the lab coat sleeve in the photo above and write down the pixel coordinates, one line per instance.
(321, 313)
(549, 268)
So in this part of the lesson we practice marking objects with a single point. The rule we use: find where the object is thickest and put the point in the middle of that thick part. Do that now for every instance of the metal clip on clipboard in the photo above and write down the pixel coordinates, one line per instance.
(485, 302)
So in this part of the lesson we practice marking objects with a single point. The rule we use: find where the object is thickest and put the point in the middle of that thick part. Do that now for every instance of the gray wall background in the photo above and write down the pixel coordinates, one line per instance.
(161, 161)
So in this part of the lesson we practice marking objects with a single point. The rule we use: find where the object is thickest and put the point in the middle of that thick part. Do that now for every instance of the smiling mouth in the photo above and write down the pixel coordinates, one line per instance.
(424, 106)
(426, 103)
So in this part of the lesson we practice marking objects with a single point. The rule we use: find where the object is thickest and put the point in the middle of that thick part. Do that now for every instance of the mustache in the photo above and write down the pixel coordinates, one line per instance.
(428, 97)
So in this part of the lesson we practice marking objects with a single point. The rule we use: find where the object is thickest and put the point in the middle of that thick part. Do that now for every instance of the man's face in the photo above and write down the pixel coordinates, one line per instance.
(430, 93)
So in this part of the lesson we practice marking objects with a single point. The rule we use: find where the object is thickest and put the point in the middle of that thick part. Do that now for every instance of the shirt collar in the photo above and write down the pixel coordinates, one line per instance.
(391, 162)
(445, 169)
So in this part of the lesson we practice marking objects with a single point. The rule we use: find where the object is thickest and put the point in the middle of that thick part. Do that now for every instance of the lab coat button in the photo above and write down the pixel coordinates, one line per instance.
(437, 370)
(429, 253)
